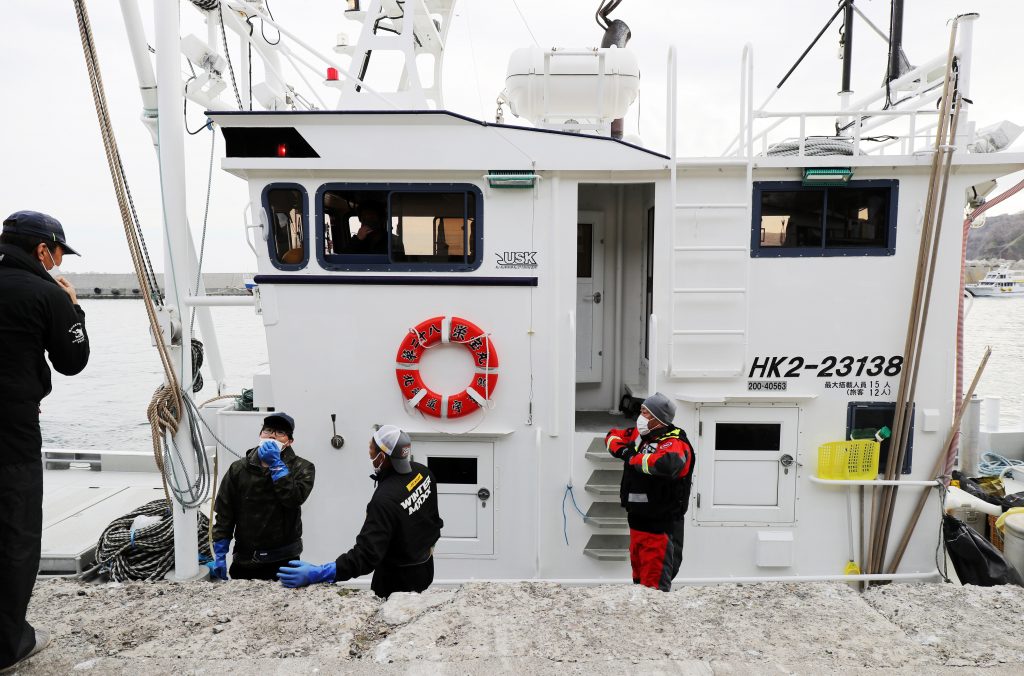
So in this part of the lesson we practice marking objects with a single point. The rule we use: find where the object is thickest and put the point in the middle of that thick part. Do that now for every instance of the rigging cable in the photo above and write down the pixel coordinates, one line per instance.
(526, 23)
(227, 56)
(167, 406)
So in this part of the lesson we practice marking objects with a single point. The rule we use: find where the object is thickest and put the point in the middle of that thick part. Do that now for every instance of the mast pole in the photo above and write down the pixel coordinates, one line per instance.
(177, 273)
(846, 92)
(895, 40)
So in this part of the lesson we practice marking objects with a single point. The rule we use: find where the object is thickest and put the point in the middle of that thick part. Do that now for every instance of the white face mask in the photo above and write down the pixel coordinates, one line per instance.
(374, 459)
(55, 270)
(641, 425)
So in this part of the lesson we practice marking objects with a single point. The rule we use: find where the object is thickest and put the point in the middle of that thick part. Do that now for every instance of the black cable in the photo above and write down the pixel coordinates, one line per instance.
(262, 25)
(227, 56)
(811, 46)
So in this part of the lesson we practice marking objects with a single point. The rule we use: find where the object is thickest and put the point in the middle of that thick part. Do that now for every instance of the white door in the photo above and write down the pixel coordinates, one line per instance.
(746, 464)
(464, 472)
(589, 297)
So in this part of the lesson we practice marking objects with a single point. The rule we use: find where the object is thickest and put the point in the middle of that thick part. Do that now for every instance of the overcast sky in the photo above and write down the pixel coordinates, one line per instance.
(55, 161)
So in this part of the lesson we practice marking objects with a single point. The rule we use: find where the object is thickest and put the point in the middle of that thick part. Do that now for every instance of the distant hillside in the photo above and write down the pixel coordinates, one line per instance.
(1001, 237)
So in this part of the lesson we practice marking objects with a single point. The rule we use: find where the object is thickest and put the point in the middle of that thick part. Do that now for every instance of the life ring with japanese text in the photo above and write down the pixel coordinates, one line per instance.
(441, 330)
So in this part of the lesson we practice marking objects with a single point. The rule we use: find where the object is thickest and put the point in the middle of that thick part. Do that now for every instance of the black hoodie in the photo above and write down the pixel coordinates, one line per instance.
(36, 316)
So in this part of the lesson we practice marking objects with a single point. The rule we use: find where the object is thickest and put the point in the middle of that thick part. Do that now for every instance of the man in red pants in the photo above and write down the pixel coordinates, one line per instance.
(656, 473)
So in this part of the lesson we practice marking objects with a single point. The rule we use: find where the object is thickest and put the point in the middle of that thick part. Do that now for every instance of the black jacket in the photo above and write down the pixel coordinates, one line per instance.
(402, 524)
(36, 316)
(258, 512)
(656, 476)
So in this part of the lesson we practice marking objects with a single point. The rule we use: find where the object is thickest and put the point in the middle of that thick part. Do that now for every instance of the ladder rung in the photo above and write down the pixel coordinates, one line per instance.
(744, 249)
(709, 290)
(712, 205)
(708, 332)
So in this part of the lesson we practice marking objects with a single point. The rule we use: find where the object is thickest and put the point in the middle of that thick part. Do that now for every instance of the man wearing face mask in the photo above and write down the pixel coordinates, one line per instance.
(39, 317)
(402, 525)
(658, 463)
(259, 505)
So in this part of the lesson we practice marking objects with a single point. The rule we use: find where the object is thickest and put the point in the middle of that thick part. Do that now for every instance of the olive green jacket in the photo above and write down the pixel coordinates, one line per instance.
(258, 512)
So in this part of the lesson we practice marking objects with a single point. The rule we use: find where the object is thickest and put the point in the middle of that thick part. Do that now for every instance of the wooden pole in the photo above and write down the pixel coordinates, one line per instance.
(940, 464)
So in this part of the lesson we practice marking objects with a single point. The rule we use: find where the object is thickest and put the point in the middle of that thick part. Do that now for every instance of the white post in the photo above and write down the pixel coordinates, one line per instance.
(990, 413)
(969, 430)
(176, 260)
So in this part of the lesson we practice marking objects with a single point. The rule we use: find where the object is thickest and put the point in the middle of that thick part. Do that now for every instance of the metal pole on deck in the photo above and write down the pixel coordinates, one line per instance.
(177, 271)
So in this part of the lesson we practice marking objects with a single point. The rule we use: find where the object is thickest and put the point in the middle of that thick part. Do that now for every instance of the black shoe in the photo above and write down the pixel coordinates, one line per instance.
(42, 640)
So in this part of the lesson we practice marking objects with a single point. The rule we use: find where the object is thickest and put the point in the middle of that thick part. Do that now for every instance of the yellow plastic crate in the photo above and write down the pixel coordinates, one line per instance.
(857, 459)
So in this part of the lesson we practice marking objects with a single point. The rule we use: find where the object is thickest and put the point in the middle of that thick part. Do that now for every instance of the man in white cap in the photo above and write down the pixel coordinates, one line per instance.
(657, 470)
(402, 525)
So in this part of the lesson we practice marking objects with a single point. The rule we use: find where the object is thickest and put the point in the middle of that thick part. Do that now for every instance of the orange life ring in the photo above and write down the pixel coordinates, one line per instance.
(446, 330)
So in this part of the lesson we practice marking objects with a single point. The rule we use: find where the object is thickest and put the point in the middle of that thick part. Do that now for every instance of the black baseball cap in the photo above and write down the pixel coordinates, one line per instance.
(44, 226)
(280, 421)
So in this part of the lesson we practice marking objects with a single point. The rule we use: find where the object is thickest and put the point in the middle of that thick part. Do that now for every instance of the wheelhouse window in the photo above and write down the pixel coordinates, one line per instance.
(858, 219)
(286, 215)
(400, 227)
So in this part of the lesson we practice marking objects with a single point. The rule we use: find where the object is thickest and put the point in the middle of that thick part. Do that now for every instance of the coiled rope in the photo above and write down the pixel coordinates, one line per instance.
(993, 464)
(813, 147)
(146, 553)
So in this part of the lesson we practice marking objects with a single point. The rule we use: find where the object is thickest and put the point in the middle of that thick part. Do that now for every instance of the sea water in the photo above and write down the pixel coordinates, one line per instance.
(105, 405)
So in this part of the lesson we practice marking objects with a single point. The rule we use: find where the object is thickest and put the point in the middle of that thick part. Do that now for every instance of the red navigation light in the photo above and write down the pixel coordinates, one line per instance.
(282, 150)
(332, 74)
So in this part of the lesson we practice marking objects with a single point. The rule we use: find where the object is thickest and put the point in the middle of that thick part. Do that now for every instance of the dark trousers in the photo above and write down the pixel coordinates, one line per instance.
(388, 580)
(255, 570)
(21, 528)
(656, 557)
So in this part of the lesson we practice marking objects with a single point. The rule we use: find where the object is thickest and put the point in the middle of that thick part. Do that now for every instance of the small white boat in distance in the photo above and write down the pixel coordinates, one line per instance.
(999, 282)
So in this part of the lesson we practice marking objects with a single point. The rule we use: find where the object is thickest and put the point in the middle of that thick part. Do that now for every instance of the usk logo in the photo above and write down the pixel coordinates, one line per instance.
(517, 259)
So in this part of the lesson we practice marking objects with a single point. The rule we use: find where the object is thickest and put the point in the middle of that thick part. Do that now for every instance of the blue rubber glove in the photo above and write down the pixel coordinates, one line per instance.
(219, 566)
(270, 453)
(301, 573)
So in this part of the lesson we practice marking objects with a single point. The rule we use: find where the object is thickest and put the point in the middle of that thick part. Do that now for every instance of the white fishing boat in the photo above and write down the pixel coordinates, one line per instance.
(801, 286)
(1002, 282)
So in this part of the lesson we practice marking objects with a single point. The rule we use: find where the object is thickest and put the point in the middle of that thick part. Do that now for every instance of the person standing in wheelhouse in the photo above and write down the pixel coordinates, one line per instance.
(657, 470)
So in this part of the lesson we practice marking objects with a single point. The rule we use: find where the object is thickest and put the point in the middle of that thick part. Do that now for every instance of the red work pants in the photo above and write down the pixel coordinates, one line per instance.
(656, 557)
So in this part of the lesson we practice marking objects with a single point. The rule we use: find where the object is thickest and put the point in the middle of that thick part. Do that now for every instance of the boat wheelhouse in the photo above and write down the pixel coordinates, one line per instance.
(769, 292)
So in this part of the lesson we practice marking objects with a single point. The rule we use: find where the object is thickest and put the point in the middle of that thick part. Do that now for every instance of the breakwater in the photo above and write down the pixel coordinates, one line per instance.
(125, 285)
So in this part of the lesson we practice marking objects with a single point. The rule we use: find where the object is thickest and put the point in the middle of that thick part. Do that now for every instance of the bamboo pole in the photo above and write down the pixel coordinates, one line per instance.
(947, 155)
(917, 317)
(940, 464)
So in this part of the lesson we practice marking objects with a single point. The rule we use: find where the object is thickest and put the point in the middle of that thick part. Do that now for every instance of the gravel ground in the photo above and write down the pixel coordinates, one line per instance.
(528, 628)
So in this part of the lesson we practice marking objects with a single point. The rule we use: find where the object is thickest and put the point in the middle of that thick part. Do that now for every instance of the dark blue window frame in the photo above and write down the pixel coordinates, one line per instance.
(271, 243)
(761, 187)
(370, 262)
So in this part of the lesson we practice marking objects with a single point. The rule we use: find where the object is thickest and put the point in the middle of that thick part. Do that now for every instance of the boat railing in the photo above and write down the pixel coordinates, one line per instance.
(903, 126)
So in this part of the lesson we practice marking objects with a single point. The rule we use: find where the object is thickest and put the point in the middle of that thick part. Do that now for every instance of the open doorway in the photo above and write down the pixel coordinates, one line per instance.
(614, 296)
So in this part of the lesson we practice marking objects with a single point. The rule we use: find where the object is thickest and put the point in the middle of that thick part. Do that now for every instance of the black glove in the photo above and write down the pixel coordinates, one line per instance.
(627, 452)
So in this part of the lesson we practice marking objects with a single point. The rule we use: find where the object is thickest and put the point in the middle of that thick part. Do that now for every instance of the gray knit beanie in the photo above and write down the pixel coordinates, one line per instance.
(661, 407)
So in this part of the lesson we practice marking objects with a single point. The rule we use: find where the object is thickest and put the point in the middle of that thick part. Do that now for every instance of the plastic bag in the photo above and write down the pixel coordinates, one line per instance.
(971, 486)
(974, 558)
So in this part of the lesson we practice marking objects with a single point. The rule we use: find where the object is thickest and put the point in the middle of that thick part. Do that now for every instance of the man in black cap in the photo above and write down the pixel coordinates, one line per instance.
(259, 505)
(39, 315)
(657, 470)
(402, 526)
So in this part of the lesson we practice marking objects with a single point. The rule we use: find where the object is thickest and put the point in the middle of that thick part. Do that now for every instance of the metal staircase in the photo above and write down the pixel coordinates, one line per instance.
(709, 275)
(605, 513)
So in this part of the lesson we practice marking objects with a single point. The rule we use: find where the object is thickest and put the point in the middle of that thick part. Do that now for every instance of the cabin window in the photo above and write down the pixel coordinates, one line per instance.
(400, 227)
(286, 209)
(858, 219)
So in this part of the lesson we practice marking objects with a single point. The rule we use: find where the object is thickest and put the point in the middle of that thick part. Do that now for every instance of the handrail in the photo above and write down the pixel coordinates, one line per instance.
(915, 82)
(652, 354)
